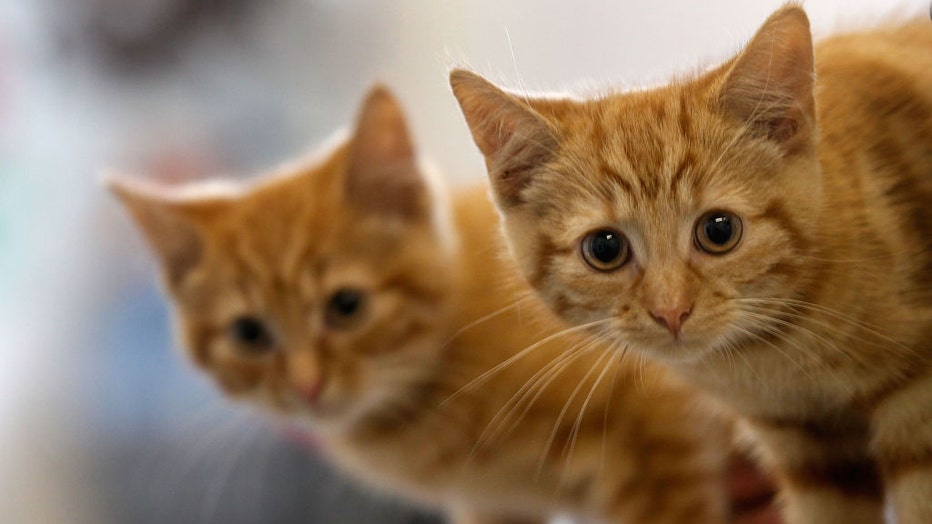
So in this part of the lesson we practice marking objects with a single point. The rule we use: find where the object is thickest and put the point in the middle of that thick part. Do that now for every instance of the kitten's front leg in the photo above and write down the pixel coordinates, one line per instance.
(824, 471)
(902, 443)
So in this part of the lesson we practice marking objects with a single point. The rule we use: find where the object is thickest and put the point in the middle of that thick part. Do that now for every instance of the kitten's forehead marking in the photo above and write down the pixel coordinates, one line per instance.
(644, 153)
(636, 162)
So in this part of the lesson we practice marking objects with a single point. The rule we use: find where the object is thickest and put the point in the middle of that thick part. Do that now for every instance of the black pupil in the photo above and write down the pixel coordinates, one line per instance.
(345, 302)
(249, 330)
(718, 230)
(605, 246)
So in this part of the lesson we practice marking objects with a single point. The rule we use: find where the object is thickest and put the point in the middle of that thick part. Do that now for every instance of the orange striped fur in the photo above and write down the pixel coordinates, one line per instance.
(816, 324)
(448, 383)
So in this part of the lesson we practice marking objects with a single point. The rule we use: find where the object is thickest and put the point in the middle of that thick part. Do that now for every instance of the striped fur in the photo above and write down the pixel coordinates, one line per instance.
(402, 404)
(817, 327)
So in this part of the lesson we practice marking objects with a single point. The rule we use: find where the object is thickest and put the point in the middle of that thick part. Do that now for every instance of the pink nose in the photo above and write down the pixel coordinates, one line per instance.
(310, 393)
(672, 318)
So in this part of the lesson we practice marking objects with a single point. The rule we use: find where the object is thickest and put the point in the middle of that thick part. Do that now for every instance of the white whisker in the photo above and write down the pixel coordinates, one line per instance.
(512, 359)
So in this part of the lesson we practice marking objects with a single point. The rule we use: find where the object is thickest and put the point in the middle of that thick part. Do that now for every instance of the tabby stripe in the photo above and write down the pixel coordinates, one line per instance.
(684, 119)
(776, 211)
(546, 251)
(612, 175)
(686, 162)
(851, 475)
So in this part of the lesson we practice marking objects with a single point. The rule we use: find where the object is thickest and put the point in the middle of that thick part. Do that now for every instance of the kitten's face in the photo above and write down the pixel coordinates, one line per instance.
(321, 293)
(677, 218)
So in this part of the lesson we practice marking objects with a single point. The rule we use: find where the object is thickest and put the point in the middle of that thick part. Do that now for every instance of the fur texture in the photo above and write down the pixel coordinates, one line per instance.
(332, 294)
(765, 228)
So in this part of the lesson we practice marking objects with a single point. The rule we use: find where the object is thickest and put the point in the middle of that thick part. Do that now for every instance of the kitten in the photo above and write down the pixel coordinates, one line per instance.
(765, 228)
(345, 294)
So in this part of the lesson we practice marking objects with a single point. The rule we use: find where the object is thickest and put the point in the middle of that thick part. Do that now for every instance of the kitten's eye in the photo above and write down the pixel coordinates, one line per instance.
(251, 333)
(718, 232)
(345, 307)
(605, 249)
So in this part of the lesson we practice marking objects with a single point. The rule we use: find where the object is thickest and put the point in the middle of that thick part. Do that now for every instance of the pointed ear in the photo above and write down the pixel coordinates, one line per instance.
(514, 138)
(770, 85)
(383, 174)
(168, 227)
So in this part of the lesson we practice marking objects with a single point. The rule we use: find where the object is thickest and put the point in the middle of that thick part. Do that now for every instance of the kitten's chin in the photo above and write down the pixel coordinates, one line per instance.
(325, 423)
(674, 351)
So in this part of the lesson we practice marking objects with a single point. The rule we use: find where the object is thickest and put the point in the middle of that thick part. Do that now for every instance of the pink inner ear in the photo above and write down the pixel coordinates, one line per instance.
(770, 85)
(383, 175)
(381, 132)
(782, 129)
(512, 136)
(170, 227)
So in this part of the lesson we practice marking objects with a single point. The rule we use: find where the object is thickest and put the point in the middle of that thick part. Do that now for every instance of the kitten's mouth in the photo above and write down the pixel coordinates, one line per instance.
(668, 348)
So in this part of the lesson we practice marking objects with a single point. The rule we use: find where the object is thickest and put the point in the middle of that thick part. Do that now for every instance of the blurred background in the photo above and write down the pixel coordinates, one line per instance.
(101, 420)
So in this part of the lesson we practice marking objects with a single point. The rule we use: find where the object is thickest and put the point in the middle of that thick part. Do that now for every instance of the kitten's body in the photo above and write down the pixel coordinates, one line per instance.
(386, 375)
(818, 326)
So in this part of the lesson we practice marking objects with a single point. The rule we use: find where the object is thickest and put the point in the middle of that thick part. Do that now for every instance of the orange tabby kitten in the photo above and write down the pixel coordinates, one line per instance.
(344, 294)
(764, 227)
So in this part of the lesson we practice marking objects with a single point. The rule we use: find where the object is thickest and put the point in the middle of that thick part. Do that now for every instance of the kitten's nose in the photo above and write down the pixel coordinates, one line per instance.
(310, 393)
(672, 317)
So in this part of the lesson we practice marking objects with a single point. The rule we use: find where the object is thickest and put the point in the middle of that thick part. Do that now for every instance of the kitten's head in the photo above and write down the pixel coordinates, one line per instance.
(319, 291)
(676, 214)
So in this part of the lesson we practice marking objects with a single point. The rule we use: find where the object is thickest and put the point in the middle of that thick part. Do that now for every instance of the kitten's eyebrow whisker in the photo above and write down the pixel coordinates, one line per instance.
(514, 63)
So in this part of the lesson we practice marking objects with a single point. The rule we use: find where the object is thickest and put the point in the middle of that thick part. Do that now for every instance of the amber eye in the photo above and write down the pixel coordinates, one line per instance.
(605, 249)
(345, 307)
(251, 334)
(718, 232)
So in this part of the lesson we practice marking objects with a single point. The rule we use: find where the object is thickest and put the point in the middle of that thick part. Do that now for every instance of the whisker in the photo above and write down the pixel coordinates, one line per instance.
(512, 359)
(566, 406)
(825, 342)
(606, 366)
(619, 357)
(775, 347)
(867, 327)
(590, 343)
(527, 296)
(538, 382)
(514, 62)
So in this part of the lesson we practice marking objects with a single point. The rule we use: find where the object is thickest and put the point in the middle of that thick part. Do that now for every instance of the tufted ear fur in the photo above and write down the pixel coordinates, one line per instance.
(770, 85)
(383, 174)
(513, 137)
